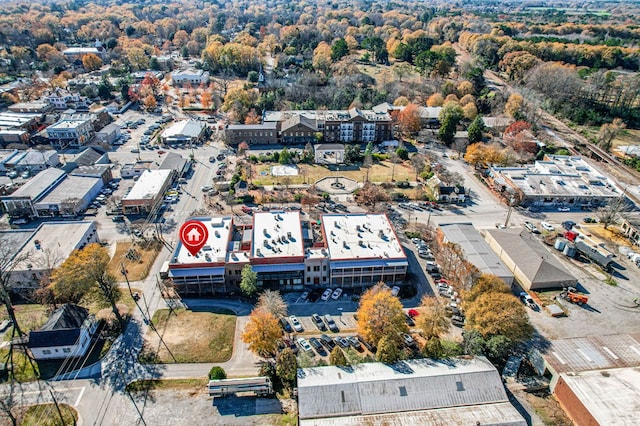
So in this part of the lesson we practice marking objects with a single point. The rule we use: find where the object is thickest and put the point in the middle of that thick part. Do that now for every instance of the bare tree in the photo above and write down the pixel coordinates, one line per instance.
(613, 211)
(272, 302)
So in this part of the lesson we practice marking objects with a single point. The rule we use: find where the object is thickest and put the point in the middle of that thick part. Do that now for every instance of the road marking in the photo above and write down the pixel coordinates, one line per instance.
(79, 397)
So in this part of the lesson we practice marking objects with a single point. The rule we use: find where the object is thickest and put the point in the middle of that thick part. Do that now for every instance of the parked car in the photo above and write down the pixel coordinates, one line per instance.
(304, 295)
(305, 346)
(590, 220)
(547, 226)
(395, 290)
(527, 300)
(318, 322)
(342, 342)
(326, 295)
(285, 325)
(568, 224)
(212, 159)
(407, 339)
(409, 320)
(371, 348)
(531, 227)
(206, 188)
(317, 345)
(295, 323)
(353, 341)
(336, 293)
(331, 323)
(564, 209)
(457, 320)
(327, 341)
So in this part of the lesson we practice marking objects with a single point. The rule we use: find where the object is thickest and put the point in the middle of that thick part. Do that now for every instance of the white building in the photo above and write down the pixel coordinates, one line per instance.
(67, 333)
(190, 76)
(185, 131)
(62, 100)
(148, 191)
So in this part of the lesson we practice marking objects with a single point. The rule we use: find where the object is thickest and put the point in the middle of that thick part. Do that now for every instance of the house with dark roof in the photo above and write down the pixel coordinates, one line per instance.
(446, 193)
(531, 263)
(67, 333)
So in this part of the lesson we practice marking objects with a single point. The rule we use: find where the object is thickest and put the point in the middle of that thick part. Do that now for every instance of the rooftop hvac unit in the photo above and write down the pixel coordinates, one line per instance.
(258, 252)
(264, 231)
(217, 234)
(289, 235)
(265, 243)
(344, 244)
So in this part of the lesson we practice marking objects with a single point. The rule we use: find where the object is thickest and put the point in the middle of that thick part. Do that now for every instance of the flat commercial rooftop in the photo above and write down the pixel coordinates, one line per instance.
(149, 184)
(215, 250)
(38, 184)
(57, 241)
(560, 176)
(361, 236)
(476, 249)
(66, 124)
(70, 188)
(277, 234)
(611, 397)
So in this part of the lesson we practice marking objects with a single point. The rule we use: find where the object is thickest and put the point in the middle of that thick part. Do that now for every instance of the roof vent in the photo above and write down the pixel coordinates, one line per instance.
(258, 252)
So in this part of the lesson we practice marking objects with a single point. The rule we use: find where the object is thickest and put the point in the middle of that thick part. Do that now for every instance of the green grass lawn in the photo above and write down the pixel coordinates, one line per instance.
(191, 336)
(48, 415)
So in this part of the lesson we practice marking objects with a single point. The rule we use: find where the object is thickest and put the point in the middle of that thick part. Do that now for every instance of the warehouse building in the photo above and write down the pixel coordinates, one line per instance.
(531, 263)
(412, 392)
(476, 249)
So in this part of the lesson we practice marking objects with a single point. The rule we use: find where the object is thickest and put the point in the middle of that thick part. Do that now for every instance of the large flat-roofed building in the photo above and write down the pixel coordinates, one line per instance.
(45, 249)
(363, 249)
(596, 378)
(412, 392)
(33, 161)
(277, 250)
(21, 202)
(185, 131)
(559, 180)
(72, 196)
(205, 272)
(476, 249)
(147, 192)
(279, 247)
(353, 125)
(531, 263)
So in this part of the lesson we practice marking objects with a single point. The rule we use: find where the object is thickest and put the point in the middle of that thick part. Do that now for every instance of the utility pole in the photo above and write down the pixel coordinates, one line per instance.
(511, 201)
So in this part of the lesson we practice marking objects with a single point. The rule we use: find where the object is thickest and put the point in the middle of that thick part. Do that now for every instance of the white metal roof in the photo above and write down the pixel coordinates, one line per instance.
(188, 128)
(413, 385)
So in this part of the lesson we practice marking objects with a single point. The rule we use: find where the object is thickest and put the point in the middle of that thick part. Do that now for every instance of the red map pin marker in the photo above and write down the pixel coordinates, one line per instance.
(193, 235)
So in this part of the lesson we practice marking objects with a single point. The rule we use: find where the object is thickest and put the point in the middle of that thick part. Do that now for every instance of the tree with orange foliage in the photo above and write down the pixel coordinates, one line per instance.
(409, 120)
(433, 319)
(252, 117)
(435, 100)
(91, 62)
(150, 102)
(380, 315)
(262, 333)
(206, 99)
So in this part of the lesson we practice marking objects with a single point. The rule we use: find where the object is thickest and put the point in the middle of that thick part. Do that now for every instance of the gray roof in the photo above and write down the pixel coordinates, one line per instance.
(413, 385)
(502, 413)
(173, 161)
(38, 184)
(298, 119)
(476, 249)
(540, 267)
(269, 125)
(329, 147)
(88, 157)
(73, 187)
(580, 354)
(109, 128)
(94, 170)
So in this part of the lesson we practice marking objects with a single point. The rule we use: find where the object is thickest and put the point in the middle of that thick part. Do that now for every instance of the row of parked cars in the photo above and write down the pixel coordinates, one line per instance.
(325, 344)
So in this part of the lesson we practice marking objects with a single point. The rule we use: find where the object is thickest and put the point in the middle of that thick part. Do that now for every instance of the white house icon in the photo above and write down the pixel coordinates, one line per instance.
(193, 236)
